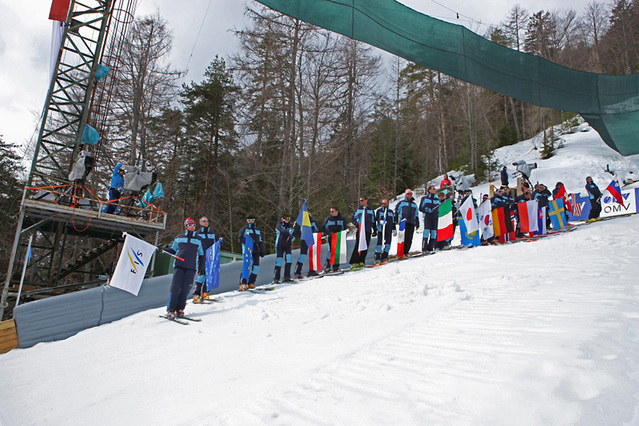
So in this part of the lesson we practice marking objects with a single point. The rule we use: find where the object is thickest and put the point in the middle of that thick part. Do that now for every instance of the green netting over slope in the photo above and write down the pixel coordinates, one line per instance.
(609, 103)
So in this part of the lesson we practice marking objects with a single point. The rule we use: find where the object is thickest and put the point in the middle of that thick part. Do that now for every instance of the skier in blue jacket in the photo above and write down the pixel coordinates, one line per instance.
(283, 243)
(385, 220)
(304, 252)
(188, 247)
(250, 231)
(363, 215)
(208, 239)
(335, 222)
(429, 205)
(407, 210)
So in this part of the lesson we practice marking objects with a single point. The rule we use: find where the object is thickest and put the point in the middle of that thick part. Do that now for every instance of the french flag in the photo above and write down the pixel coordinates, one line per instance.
(615, 191)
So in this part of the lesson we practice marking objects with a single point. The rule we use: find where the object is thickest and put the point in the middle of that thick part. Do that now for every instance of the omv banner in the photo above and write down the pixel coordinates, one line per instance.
(609, 207)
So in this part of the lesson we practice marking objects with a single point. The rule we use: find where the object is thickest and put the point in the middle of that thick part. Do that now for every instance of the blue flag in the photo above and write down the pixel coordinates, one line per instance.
(556, 213)
(304, 221)
(467, 239)
(248, 255)
(213, 266)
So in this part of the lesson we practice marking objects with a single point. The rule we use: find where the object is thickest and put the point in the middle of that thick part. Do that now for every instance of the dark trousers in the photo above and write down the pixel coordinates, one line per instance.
(180, 287)
(595, 209)
(114, 194)
(357, 256)
(408, 237)
(283, 256)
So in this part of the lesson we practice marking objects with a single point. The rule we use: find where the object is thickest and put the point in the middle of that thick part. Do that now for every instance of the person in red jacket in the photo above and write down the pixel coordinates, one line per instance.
(445, 181)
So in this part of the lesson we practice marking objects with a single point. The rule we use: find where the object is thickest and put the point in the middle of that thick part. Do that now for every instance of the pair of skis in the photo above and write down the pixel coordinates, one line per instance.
(181, 320)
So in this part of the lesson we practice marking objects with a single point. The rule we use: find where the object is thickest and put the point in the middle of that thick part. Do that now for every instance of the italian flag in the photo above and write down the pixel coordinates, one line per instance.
(445, 221)
(315, 253)
(338, 247)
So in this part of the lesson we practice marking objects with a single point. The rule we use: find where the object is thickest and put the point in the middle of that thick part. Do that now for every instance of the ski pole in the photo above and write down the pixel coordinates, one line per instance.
(170, 254)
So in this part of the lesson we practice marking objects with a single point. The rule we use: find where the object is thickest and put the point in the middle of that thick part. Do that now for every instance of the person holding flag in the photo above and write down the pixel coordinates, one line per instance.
(560, 193)
(406, 211)
(187, 249)
(333, 224)
(428, 205)
(283, 243)
(252, 248)
(208, 239)
(595, 198)
(385, 219)
(306, 222)
(363, 218)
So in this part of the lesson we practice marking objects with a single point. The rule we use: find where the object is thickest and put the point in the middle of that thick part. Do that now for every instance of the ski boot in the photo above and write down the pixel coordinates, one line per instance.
(196, 298)
(251, 285)
(179, 314)
(205, 295)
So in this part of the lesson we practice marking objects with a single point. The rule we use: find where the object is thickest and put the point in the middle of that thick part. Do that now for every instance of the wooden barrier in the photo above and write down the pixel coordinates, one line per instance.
(8, 336)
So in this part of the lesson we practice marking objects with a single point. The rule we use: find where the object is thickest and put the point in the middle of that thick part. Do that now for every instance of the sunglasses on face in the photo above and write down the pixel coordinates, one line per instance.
(250, 220)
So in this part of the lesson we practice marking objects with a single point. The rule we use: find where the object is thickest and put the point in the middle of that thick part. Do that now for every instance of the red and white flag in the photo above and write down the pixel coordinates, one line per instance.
(527, 216)
(315, 253)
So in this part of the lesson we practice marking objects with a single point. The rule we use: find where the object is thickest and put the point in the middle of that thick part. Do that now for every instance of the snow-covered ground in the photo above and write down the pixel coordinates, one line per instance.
(533, 333)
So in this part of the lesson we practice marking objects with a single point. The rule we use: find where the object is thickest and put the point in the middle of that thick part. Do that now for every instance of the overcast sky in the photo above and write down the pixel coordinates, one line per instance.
(25, 42)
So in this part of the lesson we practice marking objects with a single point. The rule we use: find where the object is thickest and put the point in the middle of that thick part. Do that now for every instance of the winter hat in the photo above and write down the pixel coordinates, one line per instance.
(189, 222)
(408, 191)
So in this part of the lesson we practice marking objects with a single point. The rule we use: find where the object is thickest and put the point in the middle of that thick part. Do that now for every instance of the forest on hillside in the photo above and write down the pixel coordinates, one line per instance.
(299, 113)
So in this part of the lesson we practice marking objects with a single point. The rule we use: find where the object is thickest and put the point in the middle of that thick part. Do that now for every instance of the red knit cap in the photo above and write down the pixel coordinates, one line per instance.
(189, 222)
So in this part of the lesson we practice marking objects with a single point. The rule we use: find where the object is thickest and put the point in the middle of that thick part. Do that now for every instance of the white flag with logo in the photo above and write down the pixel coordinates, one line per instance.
(132, 265)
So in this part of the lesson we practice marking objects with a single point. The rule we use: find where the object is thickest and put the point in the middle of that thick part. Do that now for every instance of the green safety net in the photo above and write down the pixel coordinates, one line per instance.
(609, 103)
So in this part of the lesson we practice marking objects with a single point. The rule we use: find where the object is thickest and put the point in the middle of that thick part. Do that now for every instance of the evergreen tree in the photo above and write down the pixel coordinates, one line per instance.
(10, 195)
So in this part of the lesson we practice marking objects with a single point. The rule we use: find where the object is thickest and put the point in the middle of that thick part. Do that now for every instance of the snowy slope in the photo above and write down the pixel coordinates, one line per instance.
(534, 333)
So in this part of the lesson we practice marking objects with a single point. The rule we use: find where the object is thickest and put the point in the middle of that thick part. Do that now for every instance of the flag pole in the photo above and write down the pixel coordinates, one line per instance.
(161, 250)
(27, 259)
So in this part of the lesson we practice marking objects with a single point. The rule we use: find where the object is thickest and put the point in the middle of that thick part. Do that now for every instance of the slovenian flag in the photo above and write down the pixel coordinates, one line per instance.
(315, 253)
(304, 222)
(338, 247)
(615, 191)
(445, 221)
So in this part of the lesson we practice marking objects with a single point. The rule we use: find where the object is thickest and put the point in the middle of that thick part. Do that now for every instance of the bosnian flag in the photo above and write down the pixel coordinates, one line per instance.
(132, 265)
(467, 210)
(400, 238)
(615, 191)
(315, 253)
(445, 221)
(362, 232)
(338, 247)
(528, 216)
(485, 219)
(304, 222)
